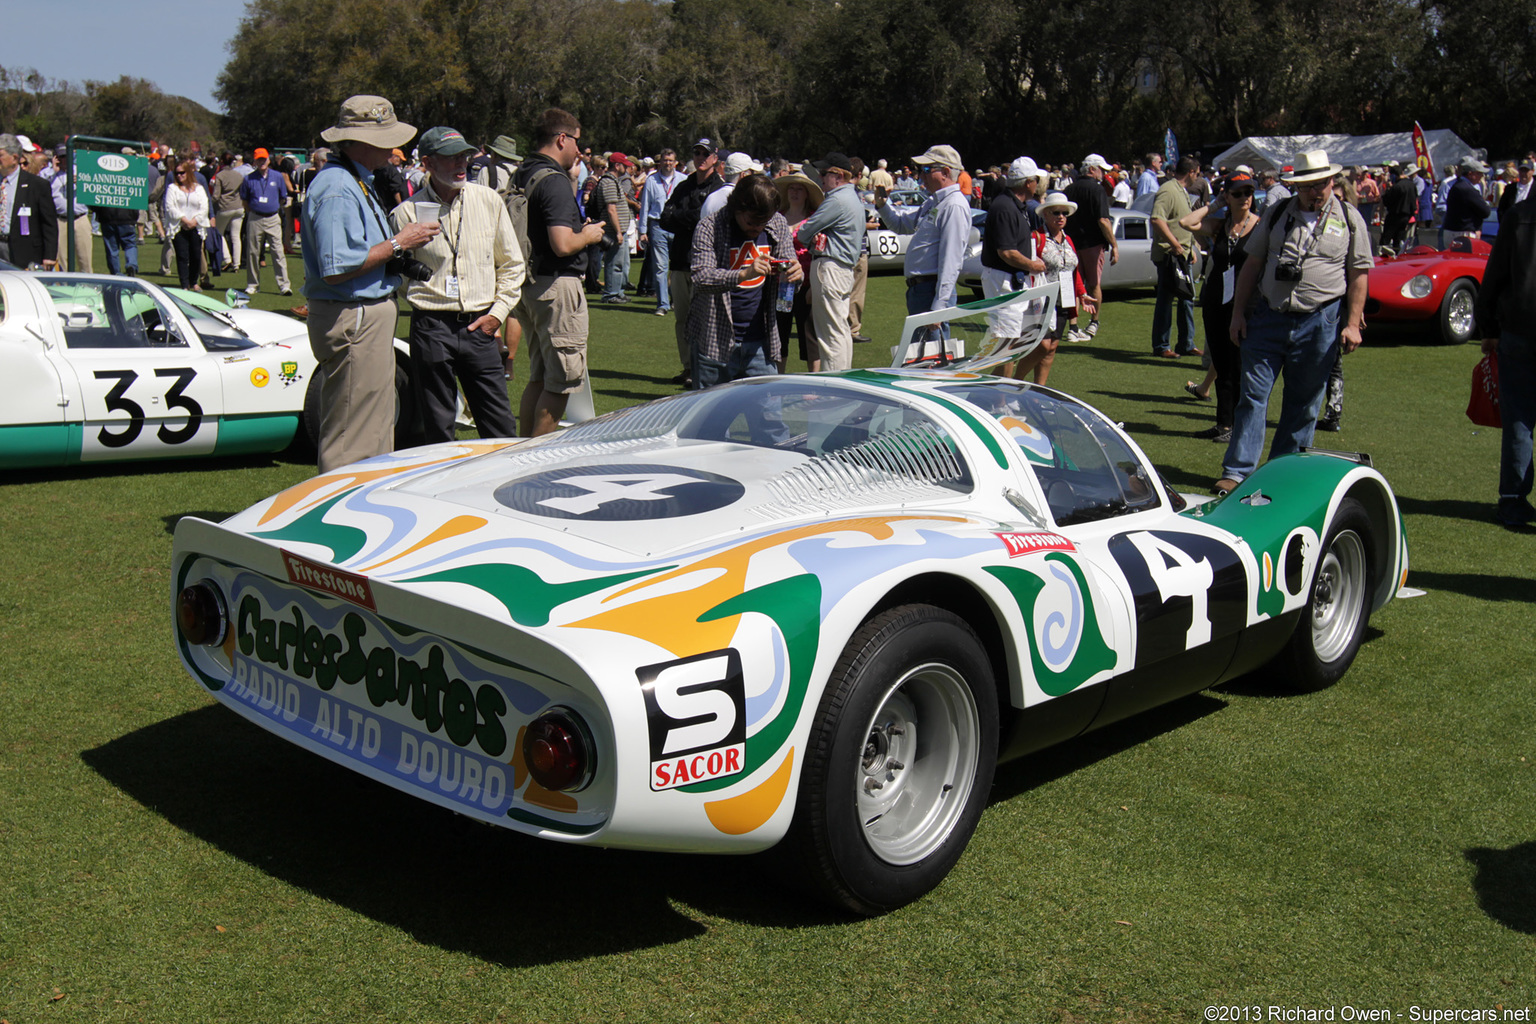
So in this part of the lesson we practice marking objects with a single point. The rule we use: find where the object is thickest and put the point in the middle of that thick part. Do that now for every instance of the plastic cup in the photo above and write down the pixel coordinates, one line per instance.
(426, 212)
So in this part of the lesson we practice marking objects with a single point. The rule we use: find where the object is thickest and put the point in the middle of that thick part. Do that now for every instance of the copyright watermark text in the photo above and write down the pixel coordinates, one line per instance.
(1255, 1013)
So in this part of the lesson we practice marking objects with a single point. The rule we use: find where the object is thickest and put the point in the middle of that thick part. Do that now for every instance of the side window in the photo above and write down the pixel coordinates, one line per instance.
(1084, 468)
(1134, 228)
(148, 322)
(108, 314)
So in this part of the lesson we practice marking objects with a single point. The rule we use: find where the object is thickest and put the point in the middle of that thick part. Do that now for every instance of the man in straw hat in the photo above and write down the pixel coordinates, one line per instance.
(347, 249)
(1300, 295)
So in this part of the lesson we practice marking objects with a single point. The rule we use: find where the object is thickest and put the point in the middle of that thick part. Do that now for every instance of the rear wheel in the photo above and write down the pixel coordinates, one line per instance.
(1458, 318)
(1328, 635)
(899, 763)
(407, 422)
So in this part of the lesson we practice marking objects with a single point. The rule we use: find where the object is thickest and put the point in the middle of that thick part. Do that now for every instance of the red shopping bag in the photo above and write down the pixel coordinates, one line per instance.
(1483, 408)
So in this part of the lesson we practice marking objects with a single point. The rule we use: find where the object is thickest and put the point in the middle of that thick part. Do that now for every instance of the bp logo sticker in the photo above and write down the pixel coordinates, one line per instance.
(289, 374)
(617, 493)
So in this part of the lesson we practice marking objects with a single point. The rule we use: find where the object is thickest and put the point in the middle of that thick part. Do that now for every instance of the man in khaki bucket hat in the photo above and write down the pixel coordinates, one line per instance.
(352, 264)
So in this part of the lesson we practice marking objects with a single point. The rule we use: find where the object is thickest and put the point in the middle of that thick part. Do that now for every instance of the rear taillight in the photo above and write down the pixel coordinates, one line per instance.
(558, 751)
(202, 615)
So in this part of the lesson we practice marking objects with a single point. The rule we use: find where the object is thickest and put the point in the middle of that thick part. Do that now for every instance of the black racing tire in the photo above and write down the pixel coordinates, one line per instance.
(1331, 626)
(407, 421)
(408, 428)
(1457, 319)
(308, 435)
(899, 762)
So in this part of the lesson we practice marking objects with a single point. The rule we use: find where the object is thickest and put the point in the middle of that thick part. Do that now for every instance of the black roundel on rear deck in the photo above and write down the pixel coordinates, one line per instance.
(616, 493)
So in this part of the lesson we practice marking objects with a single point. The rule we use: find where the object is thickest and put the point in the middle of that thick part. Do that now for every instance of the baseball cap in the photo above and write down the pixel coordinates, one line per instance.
(620, 160)
(738, 164)
(442, 141)
(1021, 170)
(27, 145)
(1095, 160)
(834, 160)
(706, 144)
(260, 154)
(941, 156)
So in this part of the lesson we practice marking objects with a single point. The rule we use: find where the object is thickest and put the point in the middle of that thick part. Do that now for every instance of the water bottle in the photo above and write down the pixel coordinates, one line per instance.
(786, 300)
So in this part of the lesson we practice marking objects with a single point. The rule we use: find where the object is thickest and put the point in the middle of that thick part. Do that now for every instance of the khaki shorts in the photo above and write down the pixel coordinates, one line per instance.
(553, 314)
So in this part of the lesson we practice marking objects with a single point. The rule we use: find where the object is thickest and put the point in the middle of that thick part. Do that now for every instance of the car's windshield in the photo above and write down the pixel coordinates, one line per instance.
(1084, 467)
(872, 435)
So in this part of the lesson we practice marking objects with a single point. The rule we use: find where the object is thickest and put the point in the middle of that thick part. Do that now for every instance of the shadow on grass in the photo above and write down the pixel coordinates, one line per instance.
(105, 470)
(170, 521)
(1047, 765)
(447, 880)
(1448, 508)
(1505, 884)
(1474, 584)
(666, 385)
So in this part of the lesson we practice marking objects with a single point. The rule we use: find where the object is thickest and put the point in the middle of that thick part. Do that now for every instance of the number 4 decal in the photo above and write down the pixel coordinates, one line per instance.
(1189, 590)
(1177, 575)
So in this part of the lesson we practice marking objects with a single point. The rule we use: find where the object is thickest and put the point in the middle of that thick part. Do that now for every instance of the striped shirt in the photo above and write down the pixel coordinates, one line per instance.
(476, 245)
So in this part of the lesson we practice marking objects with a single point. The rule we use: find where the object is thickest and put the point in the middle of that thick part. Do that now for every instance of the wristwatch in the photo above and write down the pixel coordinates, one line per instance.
(394, 243)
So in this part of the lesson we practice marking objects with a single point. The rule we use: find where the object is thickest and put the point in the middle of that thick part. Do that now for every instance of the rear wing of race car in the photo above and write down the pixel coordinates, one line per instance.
(996, 331)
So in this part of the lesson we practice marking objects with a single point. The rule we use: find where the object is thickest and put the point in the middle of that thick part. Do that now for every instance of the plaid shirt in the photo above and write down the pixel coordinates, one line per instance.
(710, 325)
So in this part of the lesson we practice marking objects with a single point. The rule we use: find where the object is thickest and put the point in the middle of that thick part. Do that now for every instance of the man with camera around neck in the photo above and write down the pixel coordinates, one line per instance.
(1300, 294)
(471, 277)
(350, 283)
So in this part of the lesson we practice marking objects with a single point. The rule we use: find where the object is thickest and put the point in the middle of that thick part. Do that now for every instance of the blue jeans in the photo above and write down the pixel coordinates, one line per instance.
(615, 271)
(1517, 408)
(1162, 313)
(1298, 347)
(745, 359)
(122, 238)
(661, 252)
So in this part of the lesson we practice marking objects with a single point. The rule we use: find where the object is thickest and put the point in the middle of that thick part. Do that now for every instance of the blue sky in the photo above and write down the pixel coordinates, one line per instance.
(178, 46)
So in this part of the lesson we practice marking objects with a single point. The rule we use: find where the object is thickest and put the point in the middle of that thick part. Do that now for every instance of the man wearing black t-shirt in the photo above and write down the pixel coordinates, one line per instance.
(681, 217)
(553, 310)
(1092, 234)
(1008, 256)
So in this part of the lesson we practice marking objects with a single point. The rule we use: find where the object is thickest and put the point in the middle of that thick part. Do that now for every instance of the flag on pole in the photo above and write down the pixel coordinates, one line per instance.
(1170, 149)
(1421, 153)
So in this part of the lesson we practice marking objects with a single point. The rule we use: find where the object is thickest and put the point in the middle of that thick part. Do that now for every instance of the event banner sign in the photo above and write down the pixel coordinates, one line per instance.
(111, 179)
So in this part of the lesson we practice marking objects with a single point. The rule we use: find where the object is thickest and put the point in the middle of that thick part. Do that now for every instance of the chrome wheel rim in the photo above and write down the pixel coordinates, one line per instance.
(918, 766)
(1459, 315)
(1337, 595)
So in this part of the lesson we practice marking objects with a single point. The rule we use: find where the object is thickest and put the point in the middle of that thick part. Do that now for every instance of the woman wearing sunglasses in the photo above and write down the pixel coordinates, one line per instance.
(1226, 222)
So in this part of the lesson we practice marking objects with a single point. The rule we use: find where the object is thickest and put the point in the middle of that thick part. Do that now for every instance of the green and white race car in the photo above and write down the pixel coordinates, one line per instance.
(809, 613)
(104, 368)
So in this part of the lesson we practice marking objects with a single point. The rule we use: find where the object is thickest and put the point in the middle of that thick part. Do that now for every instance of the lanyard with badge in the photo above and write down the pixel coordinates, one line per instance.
(451, 285)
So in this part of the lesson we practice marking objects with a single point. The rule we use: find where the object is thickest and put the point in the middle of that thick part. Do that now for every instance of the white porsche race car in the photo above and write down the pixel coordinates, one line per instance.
(104, 368)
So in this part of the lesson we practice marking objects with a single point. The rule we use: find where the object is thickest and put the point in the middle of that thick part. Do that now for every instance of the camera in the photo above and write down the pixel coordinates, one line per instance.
(1288, 270)
(409, 267)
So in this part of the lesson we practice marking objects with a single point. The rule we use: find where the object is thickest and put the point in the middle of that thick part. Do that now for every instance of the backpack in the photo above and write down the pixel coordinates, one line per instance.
(517, 208)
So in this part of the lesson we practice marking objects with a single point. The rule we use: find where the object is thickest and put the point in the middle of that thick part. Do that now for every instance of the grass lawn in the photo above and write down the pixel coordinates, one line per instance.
(1372, 846)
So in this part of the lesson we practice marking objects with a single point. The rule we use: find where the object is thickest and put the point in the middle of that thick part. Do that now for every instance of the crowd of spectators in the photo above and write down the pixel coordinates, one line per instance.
(746, 252)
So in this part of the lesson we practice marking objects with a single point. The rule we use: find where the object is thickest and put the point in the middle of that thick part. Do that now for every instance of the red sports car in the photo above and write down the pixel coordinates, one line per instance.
(1431, 287)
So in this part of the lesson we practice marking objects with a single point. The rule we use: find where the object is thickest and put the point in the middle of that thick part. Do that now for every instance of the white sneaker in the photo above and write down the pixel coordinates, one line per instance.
(251, 290)
(1075, 335)
(1093, 328)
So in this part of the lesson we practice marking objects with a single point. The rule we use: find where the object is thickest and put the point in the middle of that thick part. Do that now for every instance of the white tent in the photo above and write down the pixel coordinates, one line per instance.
(1275, 151)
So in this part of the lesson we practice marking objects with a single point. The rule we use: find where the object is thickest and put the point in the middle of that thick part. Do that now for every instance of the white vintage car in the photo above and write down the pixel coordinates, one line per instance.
(812, 611)
(102, 368)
